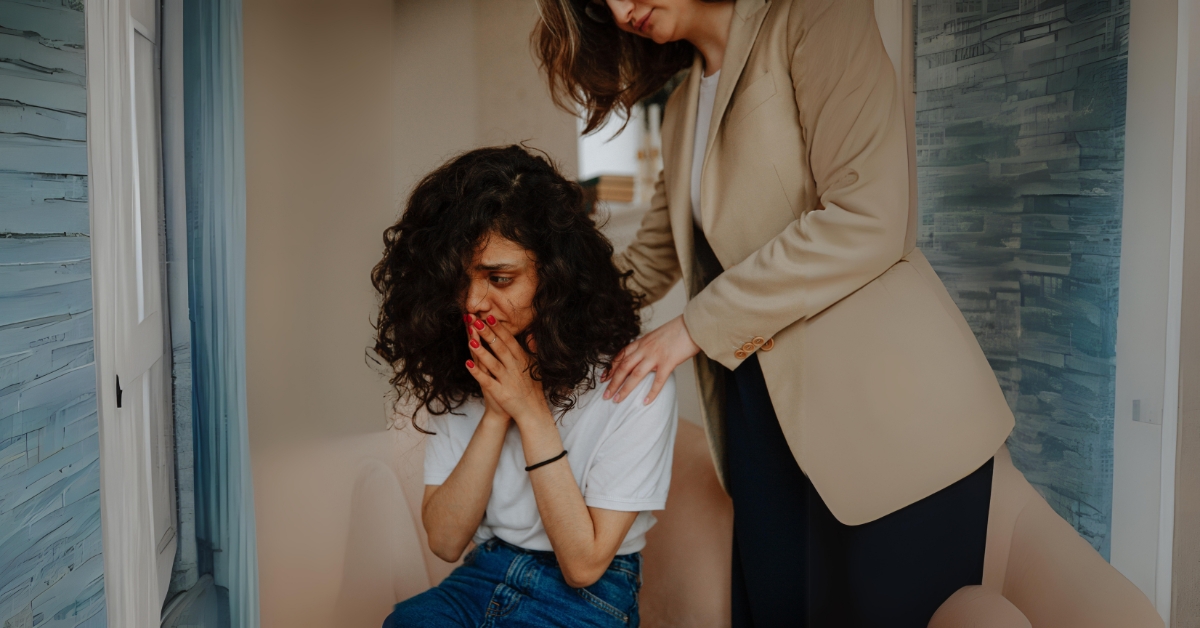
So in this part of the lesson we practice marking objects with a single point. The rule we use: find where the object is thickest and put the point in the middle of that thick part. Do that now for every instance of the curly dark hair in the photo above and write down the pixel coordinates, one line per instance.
(583, 312)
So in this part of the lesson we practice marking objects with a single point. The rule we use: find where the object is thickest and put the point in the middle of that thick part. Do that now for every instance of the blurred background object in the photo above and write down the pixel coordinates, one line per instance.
(614, 188)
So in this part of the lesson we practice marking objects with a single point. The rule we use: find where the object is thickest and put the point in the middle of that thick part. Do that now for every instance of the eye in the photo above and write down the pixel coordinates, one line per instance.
(501, 281)
(598, 12)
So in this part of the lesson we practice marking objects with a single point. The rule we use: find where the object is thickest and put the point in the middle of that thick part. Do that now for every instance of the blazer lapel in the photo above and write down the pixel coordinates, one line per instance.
(748, 16)
(678, 137)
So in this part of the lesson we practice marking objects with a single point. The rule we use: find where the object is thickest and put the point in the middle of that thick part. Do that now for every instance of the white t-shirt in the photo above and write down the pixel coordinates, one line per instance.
(708, 97)
(620, 455)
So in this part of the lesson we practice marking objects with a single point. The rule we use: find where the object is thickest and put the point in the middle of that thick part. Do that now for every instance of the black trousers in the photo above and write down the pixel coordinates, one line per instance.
(794, 564)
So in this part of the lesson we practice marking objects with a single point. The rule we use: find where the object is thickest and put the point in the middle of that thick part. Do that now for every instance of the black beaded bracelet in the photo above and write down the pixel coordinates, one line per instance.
(545, 462)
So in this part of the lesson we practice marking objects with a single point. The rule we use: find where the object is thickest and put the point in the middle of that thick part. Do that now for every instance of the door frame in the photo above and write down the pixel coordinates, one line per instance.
(1179, 543)
(131, 587)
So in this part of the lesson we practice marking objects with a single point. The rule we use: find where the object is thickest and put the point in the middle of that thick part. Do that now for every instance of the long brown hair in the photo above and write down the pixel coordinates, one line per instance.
(599, 66)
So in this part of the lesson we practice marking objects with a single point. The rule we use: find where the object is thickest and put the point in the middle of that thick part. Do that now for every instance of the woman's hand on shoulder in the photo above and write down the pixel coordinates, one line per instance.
(659, 351)
(501, 366)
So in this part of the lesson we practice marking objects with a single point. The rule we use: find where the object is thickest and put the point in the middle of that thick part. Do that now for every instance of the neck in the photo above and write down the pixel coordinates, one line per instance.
(709, 32)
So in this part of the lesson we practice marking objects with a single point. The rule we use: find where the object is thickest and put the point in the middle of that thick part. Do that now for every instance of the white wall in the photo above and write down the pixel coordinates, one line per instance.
(514, 102)
(437, 97)
(1142, 315)
(319, 170)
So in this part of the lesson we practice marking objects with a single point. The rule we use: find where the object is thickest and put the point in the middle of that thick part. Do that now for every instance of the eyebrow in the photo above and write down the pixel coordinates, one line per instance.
(502, 266)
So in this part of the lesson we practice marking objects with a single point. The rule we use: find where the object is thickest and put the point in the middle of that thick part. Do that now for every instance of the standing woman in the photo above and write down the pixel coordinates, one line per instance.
(850, 412)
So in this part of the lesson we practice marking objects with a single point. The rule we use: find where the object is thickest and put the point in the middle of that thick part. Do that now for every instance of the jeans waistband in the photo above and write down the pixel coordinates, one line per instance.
(630, 562)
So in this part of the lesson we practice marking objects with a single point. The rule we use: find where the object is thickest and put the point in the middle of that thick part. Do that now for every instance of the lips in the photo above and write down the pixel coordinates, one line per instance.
(641, 24)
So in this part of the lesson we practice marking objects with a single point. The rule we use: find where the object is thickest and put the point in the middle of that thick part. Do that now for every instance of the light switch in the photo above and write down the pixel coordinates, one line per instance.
(1146, 413)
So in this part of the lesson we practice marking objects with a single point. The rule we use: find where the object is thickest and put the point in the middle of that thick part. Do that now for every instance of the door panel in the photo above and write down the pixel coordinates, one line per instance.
(142, 258)
(144, 329)
(145, 15)
(133, 356)
(156, 418)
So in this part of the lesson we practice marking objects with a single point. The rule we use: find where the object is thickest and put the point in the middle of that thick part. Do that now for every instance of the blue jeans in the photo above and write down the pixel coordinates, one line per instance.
(500, 584)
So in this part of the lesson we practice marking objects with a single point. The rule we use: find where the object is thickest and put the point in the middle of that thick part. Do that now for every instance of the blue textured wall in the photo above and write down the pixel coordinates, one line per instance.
(51, 569)
(1020, 153)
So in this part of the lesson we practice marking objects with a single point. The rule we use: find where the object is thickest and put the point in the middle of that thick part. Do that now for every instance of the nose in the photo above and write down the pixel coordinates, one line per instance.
(622, 10)
(478, 299)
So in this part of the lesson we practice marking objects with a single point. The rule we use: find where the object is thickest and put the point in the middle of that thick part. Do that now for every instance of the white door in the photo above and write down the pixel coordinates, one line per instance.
(132, 324)
(143, 301)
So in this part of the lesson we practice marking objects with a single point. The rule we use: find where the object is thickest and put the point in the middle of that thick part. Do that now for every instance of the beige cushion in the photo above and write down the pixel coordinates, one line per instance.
(976, 607)
(1036, 561)
(686, 563)
(384, 562)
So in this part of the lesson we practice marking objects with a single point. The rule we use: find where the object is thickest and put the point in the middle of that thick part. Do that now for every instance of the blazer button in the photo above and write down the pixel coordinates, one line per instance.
(768, 345)
(758, 341)
(748, 347)
(739, 354)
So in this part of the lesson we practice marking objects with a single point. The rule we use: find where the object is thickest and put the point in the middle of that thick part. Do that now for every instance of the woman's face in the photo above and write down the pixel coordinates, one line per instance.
(503, 279)
(659, 20)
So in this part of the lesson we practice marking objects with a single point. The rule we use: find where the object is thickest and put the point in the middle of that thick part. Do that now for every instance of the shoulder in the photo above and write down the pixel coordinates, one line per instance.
(801, 15)
(461, 420)
(662, 410)
(595, 407)
(791, 20)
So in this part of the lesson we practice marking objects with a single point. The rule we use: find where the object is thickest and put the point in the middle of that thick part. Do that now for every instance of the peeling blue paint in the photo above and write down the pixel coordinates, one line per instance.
(1020, 160)
(51, 565)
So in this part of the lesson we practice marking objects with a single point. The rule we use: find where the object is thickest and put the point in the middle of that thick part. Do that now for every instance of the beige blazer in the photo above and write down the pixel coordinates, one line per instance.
(880, 386)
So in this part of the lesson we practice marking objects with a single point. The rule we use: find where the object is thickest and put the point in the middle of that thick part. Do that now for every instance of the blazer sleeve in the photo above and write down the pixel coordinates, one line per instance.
(652, 256)
(853, 124)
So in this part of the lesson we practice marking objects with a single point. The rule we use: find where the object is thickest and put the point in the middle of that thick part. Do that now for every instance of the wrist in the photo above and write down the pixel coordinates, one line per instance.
(692, 347)
(534, 414)
(539, 435)
(493, 417)
(534, 418)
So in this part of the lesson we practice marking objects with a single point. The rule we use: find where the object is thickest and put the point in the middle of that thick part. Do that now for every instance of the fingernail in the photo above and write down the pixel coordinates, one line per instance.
(646, 401)
(467, 318)
(607, 394)
(491, 319)
(474, 344)
(478, 324)
(470, 364)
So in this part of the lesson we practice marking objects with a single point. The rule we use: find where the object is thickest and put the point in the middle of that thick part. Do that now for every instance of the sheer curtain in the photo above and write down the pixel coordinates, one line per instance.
(216, 216)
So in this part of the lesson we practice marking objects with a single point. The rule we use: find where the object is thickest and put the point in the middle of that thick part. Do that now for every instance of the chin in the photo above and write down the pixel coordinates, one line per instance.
(660, 35)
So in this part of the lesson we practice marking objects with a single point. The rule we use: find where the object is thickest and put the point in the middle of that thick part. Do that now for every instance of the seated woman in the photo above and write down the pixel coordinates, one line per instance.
(501, 307)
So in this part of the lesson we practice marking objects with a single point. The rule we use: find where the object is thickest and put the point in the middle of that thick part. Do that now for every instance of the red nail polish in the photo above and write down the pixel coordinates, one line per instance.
(478, 324)
(474, 344)
(491, 319)
(467, 318)
(470, 364)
